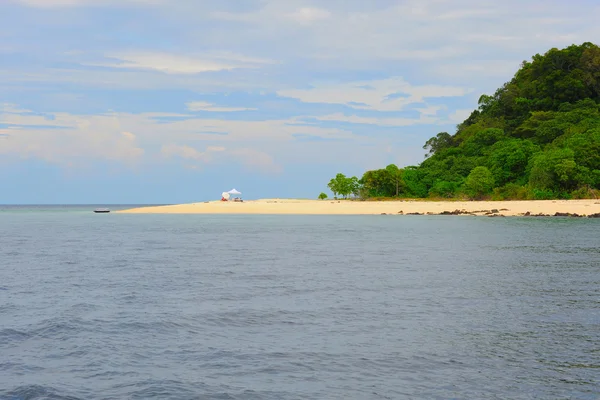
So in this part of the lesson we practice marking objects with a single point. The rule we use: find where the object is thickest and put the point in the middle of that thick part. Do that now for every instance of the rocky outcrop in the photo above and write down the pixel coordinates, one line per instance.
(496, 213)
(575, 215)
(456, 212)
(558, 214)
(529, 214)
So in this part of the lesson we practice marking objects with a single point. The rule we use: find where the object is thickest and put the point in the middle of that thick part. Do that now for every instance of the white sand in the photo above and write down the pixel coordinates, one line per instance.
(345, 207)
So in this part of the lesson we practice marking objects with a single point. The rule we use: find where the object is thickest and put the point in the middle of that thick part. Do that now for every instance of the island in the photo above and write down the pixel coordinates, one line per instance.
(530, 149)
(536, 138)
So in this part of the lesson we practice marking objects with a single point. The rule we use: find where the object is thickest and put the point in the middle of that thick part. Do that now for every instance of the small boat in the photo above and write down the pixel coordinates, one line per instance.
(101, 210)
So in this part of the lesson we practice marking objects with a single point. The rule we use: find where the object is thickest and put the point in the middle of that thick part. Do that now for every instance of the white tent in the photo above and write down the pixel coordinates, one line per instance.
(233, 191)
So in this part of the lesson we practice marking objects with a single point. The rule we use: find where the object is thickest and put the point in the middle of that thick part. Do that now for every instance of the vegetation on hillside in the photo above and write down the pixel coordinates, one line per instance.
(537, 137)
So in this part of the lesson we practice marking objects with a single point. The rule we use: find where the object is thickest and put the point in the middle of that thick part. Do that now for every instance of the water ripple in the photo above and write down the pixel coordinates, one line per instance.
(34, 392)
(284, 307)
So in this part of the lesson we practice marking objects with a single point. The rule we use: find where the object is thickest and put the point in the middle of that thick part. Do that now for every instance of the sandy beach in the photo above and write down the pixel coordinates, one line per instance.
(345, 207)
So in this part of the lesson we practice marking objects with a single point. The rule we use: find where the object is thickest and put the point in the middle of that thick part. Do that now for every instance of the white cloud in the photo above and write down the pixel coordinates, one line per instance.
(271, 132)
(464, 14)
(177, 64)
(443, 48)
(359, 35)
(430, 110)
(485, 75)
(384, 121)
(190, 153)
(121, 78)
(181, 151)
(392, 94)
(459, 116)
(68, 139)
(214, 149)
(472, 39)
(428, 115)
(83, 3)
(10, 108)
(256, 159)
(204, 106)
(71, 140)
(247, 156)
(135, 140)
(276, 13)
(307, 15)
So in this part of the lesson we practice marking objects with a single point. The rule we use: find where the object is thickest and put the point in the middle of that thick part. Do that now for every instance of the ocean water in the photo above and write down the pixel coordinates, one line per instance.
(110, 306)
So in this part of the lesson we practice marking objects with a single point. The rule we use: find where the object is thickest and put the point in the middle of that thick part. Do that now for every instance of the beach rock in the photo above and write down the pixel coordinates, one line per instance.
(415, 213)
(597, 215)
(400, 212)
(529, 214)
(494, 211)
(496, 215)
(383, 214)
(504, 209)
(455, 212)
(559, 214)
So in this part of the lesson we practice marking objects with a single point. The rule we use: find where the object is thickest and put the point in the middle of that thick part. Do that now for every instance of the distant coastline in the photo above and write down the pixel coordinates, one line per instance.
(571, 208)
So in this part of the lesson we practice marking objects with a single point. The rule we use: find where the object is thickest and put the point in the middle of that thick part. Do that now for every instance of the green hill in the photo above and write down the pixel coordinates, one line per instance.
(537, 137)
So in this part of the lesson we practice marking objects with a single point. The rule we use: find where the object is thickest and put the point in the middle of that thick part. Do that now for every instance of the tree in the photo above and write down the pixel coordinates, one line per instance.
(344, 186)
(395, 176)
(479, 182)
(591, 66)
(322, 196)
(413, 179)
(508, 160)
(555, 170)
(444, 189)
(338, 185)
(354, 186)
(333, 186)
(377, 183)
(437, 143)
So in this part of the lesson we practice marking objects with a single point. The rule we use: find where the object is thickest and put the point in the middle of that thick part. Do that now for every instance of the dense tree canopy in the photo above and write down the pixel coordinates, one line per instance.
(344, 186)
(537, 137)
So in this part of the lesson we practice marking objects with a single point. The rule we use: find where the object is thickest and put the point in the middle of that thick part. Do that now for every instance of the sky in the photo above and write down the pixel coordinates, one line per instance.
(171, 101)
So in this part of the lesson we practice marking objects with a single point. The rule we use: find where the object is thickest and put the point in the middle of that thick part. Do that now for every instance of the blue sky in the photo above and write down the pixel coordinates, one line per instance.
(163, 101)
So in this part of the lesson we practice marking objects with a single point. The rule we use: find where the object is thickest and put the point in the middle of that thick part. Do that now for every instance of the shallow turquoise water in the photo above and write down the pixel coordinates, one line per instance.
(113, 306)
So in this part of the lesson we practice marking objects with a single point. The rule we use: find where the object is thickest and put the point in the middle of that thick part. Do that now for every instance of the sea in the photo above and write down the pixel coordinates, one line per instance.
(134, 306)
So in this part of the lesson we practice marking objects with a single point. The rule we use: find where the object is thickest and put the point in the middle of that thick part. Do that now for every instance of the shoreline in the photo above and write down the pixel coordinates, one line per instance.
(510, 208)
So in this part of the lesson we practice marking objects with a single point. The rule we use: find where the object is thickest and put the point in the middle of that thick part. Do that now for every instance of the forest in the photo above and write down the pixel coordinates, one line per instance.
(536, 137)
